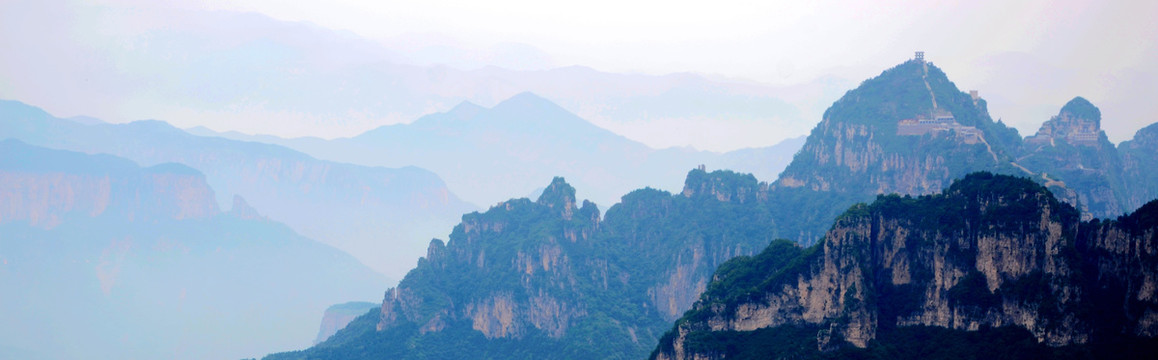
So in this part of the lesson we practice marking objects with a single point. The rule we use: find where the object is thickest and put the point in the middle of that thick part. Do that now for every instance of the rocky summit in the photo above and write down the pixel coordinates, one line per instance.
(911, 131)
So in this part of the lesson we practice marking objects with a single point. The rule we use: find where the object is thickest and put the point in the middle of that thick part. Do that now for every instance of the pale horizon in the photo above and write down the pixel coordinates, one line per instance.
(1026, 59)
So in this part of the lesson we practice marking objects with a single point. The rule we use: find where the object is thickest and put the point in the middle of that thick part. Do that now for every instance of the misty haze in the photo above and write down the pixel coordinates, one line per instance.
(591, 180)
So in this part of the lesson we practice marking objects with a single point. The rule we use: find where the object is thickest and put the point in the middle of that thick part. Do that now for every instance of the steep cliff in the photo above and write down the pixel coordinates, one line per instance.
(43, 187)
(552, 279)
(991, 251)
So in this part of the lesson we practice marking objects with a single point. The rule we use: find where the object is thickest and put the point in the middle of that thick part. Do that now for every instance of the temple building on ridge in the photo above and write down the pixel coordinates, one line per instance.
(936, 122)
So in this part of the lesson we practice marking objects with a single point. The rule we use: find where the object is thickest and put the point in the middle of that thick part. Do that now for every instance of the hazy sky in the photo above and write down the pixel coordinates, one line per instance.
(1026, 57)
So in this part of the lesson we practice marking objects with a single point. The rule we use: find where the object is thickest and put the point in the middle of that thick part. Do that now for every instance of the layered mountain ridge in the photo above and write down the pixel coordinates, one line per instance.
(907, 131)
(373, 213)
(103, 259)
(488, 154)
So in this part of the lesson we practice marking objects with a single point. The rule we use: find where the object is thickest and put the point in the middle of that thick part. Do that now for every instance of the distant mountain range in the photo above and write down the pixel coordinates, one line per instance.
(259, 75)
(552, 279)
(381, 216)
(488, 155)
(103, 259)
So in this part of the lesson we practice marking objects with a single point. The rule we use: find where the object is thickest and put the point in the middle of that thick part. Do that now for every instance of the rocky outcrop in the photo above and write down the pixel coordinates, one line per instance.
(725, 187)
(990, 251)
(510, 309)
(43, 187)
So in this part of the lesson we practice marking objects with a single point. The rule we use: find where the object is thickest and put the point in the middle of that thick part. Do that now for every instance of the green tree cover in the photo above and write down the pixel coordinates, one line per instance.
(982, 204)
(1080, 107)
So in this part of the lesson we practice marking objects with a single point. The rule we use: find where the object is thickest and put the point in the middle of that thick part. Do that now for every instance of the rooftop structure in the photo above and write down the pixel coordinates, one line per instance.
(938, 122)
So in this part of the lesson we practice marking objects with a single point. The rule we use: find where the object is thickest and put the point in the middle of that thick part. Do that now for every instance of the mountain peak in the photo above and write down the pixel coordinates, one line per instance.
(906, 91)
(559, 196)
(527, 96)
(887, 125)
(1079, 123)
(1081, 108)
(527, 100)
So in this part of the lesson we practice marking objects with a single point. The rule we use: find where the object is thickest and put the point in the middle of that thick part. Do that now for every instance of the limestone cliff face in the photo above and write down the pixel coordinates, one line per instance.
(43, 200)
(690, 269)
(177, 192)
(43, 187)
(988, 252)
(536, 290)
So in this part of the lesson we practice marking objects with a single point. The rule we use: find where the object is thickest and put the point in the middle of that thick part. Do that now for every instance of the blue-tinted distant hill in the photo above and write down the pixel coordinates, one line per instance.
(487, 155)
(380, 215)
(103, 259)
